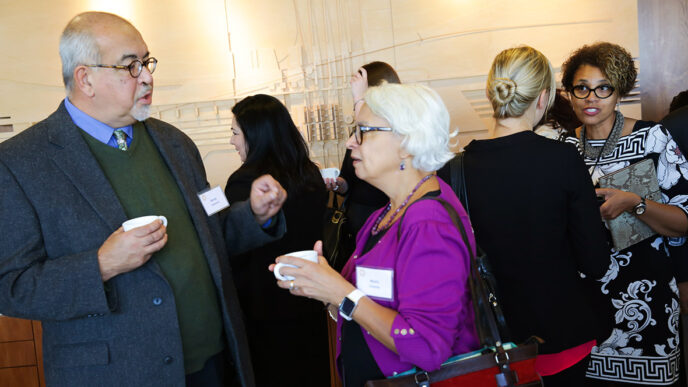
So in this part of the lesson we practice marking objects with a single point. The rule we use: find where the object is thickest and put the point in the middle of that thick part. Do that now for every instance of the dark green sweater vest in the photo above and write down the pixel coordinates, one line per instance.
(145, 186)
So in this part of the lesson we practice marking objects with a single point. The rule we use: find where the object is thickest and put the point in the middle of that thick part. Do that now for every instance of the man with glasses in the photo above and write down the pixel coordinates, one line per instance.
(150, 306)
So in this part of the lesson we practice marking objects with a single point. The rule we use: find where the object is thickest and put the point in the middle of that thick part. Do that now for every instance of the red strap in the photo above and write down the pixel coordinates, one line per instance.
(550, 364)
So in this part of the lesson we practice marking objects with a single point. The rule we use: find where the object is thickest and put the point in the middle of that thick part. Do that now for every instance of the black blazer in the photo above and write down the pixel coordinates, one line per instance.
(261, 298)
(276, 319)
(534, 212)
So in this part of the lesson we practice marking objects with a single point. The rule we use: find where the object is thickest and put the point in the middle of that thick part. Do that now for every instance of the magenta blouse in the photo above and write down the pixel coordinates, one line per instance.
(430, 266)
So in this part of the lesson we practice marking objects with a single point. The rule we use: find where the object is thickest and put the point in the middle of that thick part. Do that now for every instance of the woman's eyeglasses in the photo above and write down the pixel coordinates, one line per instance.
(358, 131)
(601, 91)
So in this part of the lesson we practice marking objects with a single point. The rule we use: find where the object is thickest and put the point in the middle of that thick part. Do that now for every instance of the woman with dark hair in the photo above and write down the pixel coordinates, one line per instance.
(362, 197)
(638, 293)
(268, 142)
(560, 121)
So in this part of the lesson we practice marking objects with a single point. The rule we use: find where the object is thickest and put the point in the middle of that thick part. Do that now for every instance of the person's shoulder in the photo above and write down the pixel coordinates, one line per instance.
(642, 125)
(556, 147)
(169, 131)
(426, 211)
(29, 140)
(243, 175)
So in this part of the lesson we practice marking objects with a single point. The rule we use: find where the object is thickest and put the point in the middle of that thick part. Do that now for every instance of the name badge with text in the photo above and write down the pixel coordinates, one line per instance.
(213, 200)
(376, 283)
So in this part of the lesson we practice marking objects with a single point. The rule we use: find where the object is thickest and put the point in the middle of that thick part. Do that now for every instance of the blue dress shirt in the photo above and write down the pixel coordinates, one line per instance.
(98, 130)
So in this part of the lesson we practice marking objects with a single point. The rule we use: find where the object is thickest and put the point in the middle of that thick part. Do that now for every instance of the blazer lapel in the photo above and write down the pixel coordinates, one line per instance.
(72, 155)
(173, 153)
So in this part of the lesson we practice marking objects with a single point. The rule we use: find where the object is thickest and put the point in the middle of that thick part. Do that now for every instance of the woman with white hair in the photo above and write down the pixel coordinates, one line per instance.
(403, 298)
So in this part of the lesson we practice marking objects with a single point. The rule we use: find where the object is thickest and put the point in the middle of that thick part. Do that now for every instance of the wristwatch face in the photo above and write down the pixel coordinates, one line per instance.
(347, 307)
(640, 208)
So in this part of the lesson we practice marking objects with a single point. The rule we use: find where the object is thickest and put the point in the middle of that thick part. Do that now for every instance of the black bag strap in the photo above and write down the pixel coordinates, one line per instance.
(335, 202)
(489, 335)
(458, 184)
(458, 180)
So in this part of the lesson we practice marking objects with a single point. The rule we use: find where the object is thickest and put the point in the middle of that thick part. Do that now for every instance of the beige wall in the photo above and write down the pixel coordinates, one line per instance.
(212, 52)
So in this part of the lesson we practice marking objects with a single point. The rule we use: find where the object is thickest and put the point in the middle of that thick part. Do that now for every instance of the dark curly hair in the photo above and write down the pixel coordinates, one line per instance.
(613, 60)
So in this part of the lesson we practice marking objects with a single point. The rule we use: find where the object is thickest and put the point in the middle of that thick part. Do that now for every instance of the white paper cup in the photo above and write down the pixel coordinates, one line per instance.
(142, 221)
(309, 255)
(329, 173)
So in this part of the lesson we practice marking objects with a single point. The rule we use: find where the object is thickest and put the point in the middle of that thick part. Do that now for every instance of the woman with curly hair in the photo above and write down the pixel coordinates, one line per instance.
(638, 293)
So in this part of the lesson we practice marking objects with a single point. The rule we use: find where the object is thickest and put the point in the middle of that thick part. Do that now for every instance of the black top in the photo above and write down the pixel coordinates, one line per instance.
(534, 212)
(275, 319)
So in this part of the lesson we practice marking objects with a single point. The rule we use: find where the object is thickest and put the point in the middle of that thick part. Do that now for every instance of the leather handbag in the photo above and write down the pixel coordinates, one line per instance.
(496, 364)
(335, 234)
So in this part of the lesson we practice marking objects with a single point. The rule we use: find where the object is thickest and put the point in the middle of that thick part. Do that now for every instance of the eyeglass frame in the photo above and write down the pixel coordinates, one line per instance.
(130, 66)
(593, 90)
(358, 131)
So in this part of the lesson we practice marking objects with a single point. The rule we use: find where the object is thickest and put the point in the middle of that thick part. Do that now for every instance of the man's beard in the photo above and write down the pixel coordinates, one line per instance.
(141, 112)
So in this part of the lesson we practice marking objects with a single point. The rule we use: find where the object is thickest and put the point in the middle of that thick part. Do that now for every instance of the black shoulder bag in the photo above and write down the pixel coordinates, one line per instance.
(492, 365)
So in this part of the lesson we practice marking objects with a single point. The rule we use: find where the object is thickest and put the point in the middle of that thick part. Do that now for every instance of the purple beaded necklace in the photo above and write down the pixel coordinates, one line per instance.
(376, 230)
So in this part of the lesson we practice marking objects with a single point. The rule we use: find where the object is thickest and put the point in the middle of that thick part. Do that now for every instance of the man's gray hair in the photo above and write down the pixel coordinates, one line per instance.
(77, 46)
(418, 115)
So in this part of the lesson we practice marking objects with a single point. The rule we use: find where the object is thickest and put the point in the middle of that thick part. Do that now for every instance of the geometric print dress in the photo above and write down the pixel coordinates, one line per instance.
(638, 291)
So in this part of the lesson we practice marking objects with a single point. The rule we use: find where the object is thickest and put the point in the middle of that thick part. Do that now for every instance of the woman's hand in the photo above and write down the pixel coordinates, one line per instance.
(664, 219)
(337, 185)
(313, 280)
(616, 202)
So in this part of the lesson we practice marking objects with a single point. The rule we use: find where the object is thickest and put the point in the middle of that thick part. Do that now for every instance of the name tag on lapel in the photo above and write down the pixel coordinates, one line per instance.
(213, 200)
(376, 283)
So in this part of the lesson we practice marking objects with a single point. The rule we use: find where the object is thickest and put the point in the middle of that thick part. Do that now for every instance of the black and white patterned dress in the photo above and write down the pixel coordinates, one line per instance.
(639, 291)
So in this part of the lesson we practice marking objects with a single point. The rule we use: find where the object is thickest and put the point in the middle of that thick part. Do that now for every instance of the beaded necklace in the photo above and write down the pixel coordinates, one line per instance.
(609, 144)
(376, 228)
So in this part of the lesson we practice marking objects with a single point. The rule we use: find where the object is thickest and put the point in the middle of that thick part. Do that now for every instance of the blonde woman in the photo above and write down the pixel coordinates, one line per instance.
(533, 210)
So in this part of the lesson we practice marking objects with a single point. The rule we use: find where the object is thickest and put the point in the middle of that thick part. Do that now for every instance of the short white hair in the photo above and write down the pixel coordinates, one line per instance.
(418, 115)
(77, 46)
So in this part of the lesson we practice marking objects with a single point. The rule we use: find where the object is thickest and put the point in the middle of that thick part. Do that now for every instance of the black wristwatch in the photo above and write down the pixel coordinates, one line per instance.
(349, 304)
(639, 208)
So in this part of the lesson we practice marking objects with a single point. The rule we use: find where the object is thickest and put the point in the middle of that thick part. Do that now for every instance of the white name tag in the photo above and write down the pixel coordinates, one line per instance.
(376, 283)
(213, 200)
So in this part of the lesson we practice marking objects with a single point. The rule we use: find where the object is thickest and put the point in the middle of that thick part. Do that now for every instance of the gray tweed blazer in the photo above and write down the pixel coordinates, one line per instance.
(56, 209)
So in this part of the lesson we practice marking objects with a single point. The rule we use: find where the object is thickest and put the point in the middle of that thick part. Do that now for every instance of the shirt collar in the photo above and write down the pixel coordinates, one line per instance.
(98, 130)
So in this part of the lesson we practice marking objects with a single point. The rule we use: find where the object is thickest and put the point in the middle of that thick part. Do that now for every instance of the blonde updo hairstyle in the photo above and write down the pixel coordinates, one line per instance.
(516, 78)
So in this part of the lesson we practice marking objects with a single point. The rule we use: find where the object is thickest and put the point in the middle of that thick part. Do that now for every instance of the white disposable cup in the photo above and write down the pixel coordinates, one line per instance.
(142, 221)
(308, 255)
(330, 173)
